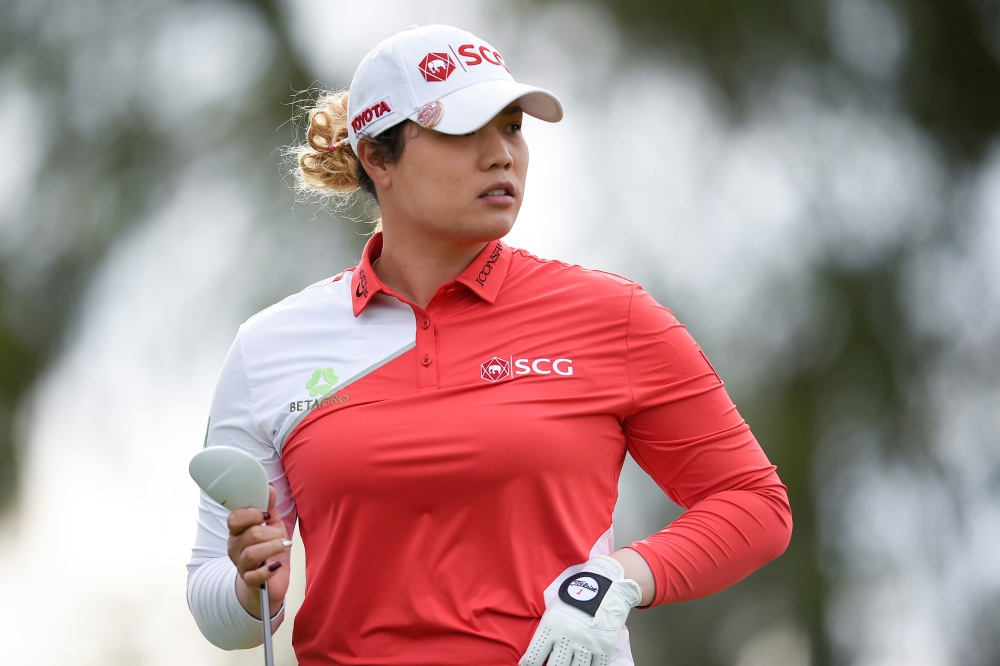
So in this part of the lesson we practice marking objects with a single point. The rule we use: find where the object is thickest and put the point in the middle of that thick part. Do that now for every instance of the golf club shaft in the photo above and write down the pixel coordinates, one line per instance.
(265, 609)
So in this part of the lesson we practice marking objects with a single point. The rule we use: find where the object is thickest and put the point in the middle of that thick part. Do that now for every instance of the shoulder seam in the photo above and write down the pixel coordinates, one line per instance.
(628, 328)
(539, 260)
(338, 276)
(314, 285)
(246, 378)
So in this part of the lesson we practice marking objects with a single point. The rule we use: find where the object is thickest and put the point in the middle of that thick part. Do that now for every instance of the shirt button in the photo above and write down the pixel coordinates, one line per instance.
(425, 323)
(426, 360)
(449, 290)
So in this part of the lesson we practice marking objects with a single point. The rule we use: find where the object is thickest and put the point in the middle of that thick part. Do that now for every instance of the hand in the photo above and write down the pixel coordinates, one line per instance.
(581, 626)
(258, 546)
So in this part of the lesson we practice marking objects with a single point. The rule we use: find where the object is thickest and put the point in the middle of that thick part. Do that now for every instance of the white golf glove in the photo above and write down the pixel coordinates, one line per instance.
(581, 626)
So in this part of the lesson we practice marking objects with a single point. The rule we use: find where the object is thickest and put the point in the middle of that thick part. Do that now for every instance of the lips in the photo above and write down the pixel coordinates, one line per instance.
(504, 189)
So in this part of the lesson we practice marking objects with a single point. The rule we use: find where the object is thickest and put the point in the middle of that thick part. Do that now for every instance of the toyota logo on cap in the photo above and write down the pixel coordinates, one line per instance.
(436, 67)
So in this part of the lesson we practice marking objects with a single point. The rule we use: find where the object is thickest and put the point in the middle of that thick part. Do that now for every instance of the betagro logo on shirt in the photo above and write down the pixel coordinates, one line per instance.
(320, 383)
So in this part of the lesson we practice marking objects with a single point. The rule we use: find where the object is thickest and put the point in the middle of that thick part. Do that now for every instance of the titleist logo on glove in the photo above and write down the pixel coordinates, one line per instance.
(582, 624)
(585, 591)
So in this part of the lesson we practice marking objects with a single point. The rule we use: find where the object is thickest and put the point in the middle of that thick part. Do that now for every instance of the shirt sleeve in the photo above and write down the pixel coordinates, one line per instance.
(685, 432)
(211, 582)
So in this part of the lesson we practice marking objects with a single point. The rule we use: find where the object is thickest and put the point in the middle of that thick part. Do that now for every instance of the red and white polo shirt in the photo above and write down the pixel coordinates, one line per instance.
(449, 466)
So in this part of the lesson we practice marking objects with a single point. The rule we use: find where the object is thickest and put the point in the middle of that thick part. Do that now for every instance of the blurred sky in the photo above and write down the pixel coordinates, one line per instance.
(648, 176)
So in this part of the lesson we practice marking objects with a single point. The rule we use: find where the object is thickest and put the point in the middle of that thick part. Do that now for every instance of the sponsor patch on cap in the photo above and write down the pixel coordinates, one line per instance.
(430, 114)
(379, 109)
(436, 67)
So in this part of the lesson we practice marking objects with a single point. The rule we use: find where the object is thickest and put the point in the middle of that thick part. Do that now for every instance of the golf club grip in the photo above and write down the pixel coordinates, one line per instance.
(265, 608)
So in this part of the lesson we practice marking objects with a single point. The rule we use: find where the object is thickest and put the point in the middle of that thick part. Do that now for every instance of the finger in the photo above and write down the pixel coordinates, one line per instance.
(562, 653)
(252, 537)
(539, 648)
(256, 578)
(257, 534)
(582, 657)
(273, 516)
(241, 519)
(251, 557)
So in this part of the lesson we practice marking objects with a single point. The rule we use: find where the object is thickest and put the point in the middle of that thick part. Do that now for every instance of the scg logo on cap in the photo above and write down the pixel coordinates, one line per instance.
(436, 67)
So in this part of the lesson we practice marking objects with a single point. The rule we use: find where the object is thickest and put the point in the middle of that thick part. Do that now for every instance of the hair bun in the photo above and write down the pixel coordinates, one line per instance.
(326, 167)
(325, 164)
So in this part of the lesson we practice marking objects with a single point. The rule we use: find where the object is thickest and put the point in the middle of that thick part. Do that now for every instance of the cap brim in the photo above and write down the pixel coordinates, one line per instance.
(470, 108)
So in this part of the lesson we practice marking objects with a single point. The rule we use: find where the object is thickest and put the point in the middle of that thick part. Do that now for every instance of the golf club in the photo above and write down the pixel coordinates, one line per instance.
(236, 480)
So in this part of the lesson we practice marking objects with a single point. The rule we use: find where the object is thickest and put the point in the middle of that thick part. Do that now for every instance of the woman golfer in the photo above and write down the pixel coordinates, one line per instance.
(447, 420)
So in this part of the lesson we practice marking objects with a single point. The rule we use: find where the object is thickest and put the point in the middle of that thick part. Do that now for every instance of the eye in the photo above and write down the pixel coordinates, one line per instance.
(514, 128)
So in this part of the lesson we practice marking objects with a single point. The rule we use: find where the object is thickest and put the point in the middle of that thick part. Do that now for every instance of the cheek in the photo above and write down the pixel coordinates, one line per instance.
(430, 183)
(436, 194)
(519, 153)
(433, 171)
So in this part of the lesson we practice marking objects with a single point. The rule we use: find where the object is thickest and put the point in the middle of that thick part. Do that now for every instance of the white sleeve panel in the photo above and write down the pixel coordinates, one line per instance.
(211, 596)
(266, 388)
(211, 574)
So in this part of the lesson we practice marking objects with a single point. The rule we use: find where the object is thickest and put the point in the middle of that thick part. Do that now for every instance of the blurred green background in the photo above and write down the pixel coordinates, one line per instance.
(858, 334)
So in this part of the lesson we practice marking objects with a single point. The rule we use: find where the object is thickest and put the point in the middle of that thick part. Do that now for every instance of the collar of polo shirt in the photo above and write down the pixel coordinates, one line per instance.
(484, 276)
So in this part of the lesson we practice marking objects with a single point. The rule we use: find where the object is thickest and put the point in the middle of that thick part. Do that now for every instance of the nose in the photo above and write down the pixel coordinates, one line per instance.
(493, 151)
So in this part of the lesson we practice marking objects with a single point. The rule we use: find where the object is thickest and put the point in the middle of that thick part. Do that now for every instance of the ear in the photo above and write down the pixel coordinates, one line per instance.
(374, 165)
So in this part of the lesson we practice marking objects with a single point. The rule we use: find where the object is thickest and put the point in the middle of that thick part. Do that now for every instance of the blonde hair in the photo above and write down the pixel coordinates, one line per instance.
(334, 174)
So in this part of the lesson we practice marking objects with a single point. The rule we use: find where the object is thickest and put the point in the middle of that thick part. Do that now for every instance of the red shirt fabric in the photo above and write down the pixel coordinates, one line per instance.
(440, 495)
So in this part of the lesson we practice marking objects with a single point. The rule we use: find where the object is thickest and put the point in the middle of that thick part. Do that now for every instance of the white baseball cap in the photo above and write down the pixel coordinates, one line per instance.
(439, 77)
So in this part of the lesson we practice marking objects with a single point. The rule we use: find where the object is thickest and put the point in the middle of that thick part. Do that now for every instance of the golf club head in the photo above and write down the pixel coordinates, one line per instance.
(231, 476)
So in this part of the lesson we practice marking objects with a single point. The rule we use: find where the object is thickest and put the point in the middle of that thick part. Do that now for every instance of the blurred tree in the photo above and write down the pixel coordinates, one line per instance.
(878, 364)
(947, 76)
(99, 175)
(943, 74)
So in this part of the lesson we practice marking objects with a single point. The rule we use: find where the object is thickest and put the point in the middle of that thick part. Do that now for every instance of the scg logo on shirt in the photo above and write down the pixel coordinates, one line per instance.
(497, 368)
(544, 366)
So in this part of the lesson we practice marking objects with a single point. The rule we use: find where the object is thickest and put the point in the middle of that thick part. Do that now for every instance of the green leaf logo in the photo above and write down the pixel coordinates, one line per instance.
(321, 382)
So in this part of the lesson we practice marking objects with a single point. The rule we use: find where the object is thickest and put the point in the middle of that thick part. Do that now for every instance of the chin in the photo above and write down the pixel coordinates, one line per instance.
(473, 228)
(490, 232)
(484, 230)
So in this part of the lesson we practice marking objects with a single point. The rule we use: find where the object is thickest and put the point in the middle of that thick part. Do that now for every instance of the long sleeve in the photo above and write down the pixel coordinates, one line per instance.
(685, 432)
(211, 583)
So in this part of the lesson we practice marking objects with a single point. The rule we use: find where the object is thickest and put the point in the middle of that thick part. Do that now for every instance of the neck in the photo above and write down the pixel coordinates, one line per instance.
(415, 266)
